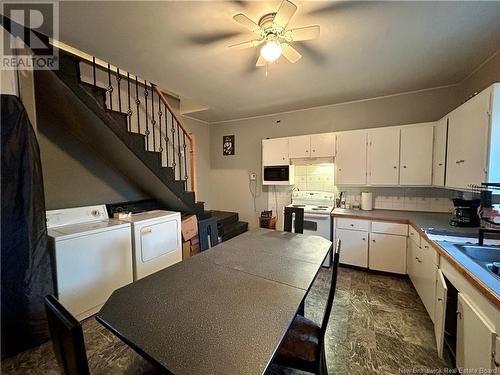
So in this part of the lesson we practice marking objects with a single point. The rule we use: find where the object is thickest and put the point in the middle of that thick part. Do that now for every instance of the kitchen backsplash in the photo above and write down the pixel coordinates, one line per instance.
(321, 177)
(314, 177)
(405, 199)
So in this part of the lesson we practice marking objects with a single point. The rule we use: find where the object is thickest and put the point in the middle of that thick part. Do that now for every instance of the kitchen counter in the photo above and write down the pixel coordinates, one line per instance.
(429, 224)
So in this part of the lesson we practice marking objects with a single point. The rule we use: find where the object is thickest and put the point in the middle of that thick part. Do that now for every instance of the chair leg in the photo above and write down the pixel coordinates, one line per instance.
(322, 368)
(302, 309)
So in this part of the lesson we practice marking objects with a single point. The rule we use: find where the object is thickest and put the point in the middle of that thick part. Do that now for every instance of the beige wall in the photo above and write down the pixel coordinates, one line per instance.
(201, 132)
(229, 174)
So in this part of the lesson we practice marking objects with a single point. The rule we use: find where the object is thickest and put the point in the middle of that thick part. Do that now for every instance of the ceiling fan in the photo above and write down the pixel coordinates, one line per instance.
(273, 33)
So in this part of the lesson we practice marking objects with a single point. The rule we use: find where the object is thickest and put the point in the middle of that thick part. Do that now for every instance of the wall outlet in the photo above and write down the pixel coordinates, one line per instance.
(253, 176)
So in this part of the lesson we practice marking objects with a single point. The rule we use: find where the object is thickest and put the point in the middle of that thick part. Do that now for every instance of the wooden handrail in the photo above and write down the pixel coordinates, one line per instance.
(190, 136)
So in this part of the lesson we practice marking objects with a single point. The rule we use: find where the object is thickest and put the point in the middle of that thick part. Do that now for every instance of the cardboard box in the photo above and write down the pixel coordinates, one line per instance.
(189, 227)
(190, 247)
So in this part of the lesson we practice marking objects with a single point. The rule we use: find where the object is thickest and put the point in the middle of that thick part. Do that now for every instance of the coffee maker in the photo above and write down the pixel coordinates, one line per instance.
(466, 212)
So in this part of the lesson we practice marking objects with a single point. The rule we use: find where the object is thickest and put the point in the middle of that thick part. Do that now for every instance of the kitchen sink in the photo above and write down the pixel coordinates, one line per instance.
(487, 257)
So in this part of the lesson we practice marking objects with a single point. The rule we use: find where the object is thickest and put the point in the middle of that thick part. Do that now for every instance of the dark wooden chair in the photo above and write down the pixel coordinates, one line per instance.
(295, 215)
(303, 347)
(67, 338)
(208, 228)
(69, 345)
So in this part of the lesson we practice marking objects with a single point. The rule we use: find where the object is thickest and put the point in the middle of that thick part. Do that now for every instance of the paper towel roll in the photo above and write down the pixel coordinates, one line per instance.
(366, 201)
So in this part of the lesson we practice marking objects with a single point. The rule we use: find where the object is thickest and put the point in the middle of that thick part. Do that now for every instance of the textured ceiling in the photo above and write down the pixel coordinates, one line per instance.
(366, 49)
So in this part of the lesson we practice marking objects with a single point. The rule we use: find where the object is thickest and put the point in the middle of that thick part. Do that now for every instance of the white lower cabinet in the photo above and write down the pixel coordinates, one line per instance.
(475, 337)
(440, 311)
(375, 245)
(387, 253)
(353, 247)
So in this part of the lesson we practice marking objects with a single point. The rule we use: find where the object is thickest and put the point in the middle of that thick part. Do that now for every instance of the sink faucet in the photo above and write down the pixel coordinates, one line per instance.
(482, 231)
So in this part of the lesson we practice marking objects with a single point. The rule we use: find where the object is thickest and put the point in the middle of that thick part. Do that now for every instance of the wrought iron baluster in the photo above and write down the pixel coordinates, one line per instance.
(153, 122)
(137, 102)
(146, 108)
(179, 150)
(160, 114)
(110, 88)
(166, 131)
(93, 71)
(118, 79)
(129, 112)
(173, 144)
(185, 158)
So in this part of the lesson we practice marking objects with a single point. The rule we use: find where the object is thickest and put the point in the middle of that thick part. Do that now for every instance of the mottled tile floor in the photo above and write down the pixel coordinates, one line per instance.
(378, 325)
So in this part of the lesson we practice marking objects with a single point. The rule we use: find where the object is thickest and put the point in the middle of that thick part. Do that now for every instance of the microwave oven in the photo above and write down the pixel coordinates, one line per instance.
(278, 175)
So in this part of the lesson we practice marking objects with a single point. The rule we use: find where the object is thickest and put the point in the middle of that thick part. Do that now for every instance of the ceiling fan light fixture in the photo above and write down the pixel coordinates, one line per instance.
(271, 51)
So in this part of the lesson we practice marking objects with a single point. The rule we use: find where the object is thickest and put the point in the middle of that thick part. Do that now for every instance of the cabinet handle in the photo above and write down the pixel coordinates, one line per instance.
(460, 161)
(419, 261)
(373, 240)
(314, 150)
(307, 150)
(395, 167)
(440, 299)
(459, 315)
(146, 231)
(404, 166)
(440, 164)
(364, 239)
(352, 225)
(340, 169)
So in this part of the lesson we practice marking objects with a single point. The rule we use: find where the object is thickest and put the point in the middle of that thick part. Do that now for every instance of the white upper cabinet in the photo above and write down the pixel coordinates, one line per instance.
(312, 146)
(323, 145)
(275, 152)
(300, 146)
(439, 151)
(350, 162)
(468, 128)
(416, 155)
(383, 156)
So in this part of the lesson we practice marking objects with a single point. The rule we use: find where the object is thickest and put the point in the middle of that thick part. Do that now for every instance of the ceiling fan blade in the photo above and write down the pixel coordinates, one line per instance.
(285, 12)
(304, 33)
(291, 53)
(247, 22)
(248, 44)
(261, 61)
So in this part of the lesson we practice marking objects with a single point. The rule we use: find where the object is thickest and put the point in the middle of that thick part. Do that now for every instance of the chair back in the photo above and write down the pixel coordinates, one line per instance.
(333, 286)
(298, 221)
(208, 228)
(67, 338)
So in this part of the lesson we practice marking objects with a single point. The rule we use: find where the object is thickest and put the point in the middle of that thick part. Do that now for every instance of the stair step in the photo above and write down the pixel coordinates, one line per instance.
(225, 217)
(232, 230)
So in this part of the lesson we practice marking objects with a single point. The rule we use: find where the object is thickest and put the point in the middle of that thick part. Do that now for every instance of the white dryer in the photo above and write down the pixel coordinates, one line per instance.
(92, 255)
(156, 240)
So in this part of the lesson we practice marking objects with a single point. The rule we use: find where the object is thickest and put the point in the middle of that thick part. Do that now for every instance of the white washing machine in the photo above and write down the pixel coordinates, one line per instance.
(156, 240)
(92, 255)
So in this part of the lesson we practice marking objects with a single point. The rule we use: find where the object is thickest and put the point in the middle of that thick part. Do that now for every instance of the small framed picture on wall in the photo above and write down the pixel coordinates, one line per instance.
(228, 145)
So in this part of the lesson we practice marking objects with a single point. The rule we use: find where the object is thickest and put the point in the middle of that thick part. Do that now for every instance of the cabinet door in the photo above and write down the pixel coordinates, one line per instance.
(416, 155)
(468, 128)
(383, 156)
(323, 145)
(354, 247)
(427, 277)
(299, 147)
(350, 162)
(439, 152)
(387, 253)
(440, 311)
(275, 151)
(475, 337)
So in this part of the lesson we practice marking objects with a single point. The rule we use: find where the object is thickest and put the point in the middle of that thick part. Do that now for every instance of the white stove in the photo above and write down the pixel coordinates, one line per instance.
(317, 208)
(314, 202)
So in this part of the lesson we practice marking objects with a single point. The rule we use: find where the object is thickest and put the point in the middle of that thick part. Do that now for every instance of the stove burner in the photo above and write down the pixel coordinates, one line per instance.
(298, 205)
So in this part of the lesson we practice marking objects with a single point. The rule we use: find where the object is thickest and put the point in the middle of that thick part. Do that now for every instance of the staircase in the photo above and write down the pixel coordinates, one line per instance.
(228, 224)
(138, 125)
